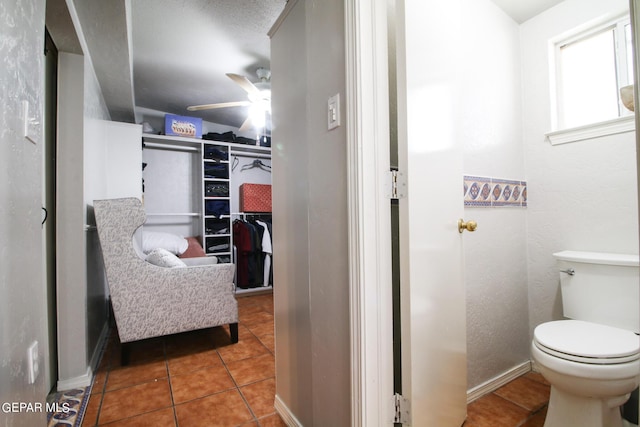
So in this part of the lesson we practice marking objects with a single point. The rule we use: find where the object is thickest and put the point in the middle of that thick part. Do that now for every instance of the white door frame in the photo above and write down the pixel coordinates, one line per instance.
(367, 105)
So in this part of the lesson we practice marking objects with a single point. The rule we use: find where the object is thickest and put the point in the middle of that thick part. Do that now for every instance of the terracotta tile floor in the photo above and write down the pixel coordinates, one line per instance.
(520, 403)
(193, 379)
(201, 379)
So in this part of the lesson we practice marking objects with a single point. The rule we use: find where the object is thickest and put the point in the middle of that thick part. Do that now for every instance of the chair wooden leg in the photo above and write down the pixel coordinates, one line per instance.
(125, 353)
(233, 330)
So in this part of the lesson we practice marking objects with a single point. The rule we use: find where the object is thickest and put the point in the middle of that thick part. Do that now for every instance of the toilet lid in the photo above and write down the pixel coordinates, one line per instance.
(576, 338)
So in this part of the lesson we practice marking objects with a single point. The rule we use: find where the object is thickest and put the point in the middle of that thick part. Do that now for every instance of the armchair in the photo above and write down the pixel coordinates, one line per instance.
(150, 301)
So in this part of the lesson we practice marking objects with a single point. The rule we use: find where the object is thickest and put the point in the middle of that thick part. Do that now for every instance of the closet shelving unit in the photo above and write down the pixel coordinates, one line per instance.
(215, 216)
(217, 231)
(218, 190)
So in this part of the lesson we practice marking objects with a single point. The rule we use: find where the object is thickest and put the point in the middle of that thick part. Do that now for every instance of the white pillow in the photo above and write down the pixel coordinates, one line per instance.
(158, 239)
(163, 258)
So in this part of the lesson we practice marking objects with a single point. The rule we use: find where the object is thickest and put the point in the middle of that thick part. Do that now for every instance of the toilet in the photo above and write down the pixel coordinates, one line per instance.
(592, 359)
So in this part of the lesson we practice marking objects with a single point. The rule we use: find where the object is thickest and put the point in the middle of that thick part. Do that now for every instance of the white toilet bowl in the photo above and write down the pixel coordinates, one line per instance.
(592, 369)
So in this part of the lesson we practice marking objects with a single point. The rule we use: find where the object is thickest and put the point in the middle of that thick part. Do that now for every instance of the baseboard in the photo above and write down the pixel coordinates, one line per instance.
(76, 382)
(497, 382)
(86, 379)
(97, 352)
(289, 419)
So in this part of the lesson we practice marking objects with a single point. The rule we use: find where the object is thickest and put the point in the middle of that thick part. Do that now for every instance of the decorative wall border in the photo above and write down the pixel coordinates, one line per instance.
(485, 192)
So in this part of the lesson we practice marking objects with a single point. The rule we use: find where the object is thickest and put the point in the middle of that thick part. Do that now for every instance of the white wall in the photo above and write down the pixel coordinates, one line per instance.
(495, 255)
(311, 291)
(22, 291)
(173, 184)
(582, 195)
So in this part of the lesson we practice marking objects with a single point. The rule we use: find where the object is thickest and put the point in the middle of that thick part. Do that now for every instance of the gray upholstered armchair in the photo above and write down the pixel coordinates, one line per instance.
(150, 301)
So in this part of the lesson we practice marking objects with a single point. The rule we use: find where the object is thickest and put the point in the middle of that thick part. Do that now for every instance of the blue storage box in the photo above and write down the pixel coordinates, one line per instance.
(190, 127)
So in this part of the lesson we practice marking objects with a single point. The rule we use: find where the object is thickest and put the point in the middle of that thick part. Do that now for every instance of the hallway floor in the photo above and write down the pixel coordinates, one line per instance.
(184, 380)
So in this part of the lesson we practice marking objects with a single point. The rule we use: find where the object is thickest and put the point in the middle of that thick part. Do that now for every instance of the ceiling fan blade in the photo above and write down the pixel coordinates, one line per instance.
(247, 125)
(244, 83)
(218, 105)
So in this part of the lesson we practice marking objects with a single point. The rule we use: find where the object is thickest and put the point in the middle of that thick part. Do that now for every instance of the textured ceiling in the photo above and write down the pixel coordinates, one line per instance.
(522, 10)
(183, 48)
(165, 55)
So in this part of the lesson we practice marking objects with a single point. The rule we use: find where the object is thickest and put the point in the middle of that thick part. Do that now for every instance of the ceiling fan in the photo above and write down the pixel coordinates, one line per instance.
(259, 102)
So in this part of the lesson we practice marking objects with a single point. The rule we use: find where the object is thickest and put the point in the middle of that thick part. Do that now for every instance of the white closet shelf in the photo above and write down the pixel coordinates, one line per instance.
(166, 141)
(248, 149)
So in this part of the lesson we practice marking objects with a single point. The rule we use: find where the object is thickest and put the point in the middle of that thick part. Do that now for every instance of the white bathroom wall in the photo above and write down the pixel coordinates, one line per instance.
(495, 255)
(582, 195)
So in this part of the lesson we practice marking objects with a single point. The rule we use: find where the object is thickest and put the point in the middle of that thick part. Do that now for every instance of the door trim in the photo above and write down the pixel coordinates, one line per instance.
(367, 107)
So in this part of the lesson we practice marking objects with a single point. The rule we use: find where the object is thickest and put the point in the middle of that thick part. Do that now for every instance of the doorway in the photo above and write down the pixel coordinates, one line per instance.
(49, 205)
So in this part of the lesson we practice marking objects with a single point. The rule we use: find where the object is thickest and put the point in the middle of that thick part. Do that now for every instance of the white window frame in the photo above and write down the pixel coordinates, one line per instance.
(625, 121)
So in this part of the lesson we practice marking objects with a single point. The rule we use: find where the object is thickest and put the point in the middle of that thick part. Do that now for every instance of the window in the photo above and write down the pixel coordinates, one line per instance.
(591, 68)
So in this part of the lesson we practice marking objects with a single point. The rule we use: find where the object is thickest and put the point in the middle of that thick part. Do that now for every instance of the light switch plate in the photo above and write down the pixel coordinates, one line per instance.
(30, 124)
(33, 364)
(333, 112)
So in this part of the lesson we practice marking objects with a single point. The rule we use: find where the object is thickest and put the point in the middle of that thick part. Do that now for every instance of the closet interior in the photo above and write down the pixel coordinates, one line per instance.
(217, 193)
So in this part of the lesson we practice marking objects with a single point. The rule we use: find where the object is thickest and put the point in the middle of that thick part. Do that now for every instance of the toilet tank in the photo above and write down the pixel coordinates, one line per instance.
(604, 288)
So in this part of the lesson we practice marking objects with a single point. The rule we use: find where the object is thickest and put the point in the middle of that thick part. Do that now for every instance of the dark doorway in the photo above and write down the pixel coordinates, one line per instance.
(49, 202)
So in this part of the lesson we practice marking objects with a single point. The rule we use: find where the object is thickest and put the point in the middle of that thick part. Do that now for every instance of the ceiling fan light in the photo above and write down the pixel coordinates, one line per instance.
(257, 114)
(263, 74)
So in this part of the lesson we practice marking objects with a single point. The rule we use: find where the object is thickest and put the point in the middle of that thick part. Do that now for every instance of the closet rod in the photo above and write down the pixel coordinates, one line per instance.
(253, 156)
(246, 214)
(157, 146)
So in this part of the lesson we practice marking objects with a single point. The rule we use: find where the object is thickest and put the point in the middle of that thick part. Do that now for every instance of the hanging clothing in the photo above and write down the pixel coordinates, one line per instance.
(267, 250)
(242, 241)
(253, 253)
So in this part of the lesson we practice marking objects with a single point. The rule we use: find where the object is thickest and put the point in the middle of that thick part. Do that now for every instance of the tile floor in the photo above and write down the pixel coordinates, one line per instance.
(200, 379)
(519, 403)
(192, 379)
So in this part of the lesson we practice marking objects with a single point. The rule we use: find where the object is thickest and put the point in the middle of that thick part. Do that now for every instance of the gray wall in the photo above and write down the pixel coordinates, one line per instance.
(22, 288)
(82, 137)
(310, 216)
(71, 247)
(22, 291)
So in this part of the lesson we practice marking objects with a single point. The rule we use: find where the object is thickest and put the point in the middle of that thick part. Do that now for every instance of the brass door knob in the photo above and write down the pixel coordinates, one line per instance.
(469, 225)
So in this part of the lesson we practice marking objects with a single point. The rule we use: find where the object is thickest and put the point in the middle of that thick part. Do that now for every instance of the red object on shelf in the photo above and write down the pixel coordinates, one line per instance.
(255, 198)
